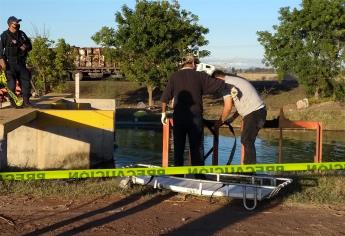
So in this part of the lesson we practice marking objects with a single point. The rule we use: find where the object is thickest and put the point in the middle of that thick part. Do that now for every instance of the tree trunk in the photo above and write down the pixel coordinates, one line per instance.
(150, 89)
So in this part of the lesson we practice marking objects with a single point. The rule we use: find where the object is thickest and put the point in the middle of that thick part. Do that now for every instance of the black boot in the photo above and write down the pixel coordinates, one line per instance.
(27, 103)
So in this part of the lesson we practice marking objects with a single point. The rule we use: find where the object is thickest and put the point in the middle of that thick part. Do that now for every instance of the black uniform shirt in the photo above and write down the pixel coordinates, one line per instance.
(10, 44)
(187, 87)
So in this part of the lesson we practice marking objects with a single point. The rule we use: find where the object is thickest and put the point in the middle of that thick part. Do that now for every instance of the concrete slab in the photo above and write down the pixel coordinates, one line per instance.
(43, 138)
(48, 101)
(98, 104)
(11, 119)
(63, 139)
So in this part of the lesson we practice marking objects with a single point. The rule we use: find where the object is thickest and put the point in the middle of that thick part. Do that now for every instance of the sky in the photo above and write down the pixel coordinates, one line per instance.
(232, 23)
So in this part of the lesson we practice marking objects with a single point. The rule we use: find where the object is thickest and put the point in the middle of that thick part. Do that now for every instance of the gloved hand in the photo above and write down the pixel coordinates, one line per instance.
(164, 119)
(2, 65)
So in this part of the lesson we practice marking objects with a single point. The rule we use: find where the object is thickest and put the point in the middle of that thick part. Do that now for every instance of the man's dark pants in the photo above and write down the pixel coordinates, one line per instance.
(194, 129)
(18, 71)
(252, 123)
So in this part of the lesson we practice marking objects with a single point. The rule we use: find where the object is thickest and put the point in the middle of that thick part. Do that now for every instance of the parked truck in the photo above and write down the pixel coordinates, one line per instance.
(90, 62)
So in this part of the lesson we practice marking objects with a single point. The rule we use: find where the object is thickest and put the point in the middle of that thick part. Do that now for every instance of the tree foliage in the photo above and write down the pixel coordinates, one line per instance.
(41, 61)
(64, 60)
(106, 38)
(50, 63)
(309, 43)
(151, 39)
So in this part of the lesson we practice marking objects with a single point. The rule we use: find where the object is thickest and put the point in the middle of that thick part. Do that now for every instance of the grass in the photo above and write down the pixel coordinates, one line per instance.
(318, 188)
(307, 188)
(70, 188)
(332, 115)
(277, 100)
(106, 89)
(259, 76)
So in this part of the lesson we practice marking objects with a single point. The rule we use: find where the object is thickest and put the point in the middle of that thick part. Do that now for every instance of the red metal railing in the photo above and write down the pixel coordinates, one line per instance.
(283, 123)
(312, 125)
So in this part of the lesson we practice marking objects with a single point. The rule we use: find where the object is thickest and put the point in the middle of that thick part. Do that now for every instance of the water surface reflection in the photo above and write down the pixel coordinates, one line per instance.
(145, 146)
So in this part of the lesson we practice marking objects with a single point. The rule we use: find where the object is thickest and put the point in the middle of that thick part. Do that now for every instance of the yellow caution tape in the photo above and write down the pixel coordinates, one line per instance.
(143, 171)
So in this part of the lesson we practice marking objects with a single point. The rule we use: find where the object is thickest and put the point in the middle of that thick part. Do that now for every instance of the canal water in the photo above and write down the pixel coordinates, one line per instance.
(138, 145)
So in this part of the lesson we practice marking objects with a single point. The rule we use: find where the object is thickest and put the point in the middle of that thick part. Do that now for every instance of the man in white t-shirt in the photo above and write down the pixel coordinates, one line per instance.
(249, 106)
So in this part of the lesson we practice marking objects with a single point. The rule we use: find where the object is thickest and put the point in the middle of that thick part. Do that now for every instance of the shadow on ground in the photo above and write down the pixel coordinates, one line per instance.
(208, 224)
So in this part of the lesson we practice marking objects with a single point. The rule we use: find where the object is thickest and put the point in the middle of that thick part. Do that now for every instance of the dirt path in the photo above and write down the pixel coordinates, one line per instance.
(162, 214)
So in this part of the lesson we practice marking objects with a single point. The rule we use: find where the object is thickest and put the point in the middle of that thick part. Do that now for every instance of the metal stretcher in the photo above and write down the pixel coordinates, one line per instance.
(246, 187)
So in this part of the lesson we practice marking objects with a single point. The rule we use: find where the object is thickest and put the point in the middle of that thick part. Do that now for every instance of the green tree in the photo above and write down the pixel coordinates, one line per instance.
(41, 61)
(64, 60)
(50, 63)
(309, 43)
(151, 39)
(106, 38)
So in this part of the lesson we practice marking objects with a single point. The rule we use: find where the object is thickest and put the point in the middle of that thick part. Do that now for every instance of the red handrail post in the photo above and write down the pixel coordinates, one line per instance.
(165, 151)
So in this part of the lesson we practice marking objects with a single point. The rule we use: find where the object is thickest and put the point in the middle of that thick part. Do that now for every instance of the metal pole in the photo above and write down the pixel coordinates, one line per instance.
(77, 86)
(166, 136)
(215, 147)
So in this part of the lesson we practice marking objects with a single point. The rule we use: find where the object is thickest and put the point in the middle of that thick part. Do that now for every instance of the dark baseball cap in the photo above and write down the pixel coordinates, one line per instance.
(13, 19)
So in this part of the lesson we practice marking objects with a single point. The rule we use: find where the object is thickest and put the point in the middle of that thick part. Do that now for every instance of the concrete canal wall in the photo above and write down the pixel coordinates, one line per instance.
(59, 138)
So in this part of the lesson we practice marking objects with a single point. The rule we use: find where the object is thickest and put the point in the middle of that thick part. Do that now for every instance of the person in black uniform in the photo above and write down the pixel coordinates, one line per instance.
(14, 48)
(186, 88)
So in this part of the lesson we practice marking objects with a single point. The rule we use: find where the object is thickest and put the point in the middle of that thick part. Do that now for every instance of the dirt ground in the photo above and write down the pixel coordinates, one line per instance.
(162, 214)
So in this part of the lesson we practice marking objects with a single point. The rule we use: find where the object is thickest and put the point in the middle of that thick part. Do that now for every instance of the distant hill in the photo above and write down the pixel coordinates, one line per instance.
(237, 63)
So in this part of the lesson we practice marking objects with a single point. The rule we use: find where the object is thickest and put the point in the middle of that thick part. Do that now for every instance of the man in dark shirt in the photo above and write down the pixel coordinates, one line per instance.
(14, 48)
(186, 88)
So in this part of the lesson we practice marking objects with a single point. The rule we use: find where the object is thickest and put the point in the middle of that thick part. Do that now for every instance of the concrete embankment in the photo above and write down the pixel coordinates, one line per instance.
(58, 134)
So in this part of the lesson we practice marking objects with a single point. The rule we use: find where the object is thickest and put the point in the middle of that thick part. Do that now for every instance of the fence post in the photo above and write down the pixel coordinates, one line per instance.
(165, 151)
